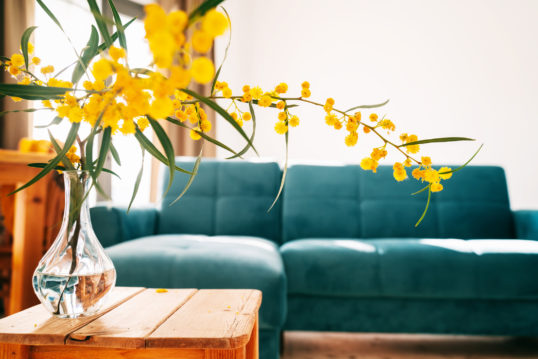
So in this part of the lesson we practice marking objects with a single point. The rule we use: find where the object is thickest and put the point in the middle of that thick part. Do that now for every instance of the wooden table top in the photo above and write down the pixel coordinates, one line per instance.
(145, 318)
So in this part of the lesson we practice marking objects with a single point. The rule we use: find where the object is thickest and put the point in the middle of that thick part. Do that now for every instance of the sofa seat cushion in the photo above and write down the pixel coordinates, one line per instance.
(412, 268)
(197, 261)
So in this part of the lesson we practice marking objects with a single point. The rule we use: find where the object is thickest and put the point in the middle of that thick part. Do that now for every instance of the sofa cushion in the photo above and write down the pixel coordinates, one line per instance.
(347, 202)
(197, 261)
(226, 198)
(412, 268)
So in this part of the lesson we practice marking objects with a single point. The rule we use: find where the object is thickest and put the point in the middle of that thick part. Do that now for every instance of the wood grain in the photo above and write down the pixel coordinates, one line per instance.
(128, 325)
(13, 351)
(212, 319)
(73, 352)
(36, 326)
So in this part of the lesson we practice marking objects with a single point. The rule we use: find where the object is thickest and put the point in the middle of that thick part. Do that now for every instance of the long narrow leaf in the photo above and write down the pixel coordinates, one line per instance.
(101, 25)
(55, 121)
(368, 106)
(439, 139)
(24, 44)
(138, 180)
(284, 172)
(202, 9)
(103, 153)
(54, 162)
(3, 113)
(420, 190)
(465, 164)
(115, 154)
(223, 113)
(167, 147)
(119, 26)
(148, 146)
(427, 206)
(245, 149)
(50, 14)
(203, 135)
(191, 178)
(58, 149)
(88, 54)
(104, 46)
(33, 92)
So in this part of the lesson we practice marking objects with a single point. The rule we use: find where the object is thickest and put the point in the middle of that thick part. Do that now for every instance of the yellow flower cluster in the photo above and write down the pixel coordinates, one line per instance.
(16, 68)
(119, 98)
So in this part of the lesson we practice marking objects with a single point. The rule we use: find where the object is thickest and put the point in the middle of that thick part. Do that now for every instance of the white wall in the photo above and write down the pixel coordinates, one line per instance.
(451, 68)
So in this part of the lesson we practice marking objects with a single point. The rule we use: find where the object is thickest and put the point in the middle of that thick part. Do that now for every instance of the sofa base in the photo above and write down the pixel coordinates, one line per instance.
(269, 343)
(432, 316)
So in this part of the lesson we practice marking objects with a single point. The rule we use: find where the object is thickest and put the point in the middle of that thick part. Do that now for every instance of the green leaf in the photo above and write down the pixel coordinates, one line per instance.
(420, 190)
(465, 164)
(101, 24)
(427, 205)
(4, 59)
(148, 146)
(115, 35)
(368, 106)
(191, 178)
(119, 26)
(55, 121)
(43, 165)
(103, 152)
(245, 149)
(33, 92)
(203, 135)
(439, 139)
(58, 150)
(24, 44)
(50, 14)
(87, 55)
(3, 113)
(167, 147)
(111, 172)
(54, 162)
(223, 113)
(202, 9)
(138, 180)
(115, 154)
(284, 172)
(225, 52)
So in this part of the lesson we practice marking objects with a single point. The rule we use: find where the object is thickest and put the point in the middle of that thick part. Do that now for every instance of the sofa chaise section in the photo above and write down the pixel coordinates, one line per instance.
(219, 235)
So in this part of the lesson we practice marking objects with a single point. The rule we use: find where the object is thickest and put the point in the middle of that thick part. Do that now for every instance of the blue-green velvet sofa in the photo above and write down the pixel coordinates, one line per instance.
(339, 251)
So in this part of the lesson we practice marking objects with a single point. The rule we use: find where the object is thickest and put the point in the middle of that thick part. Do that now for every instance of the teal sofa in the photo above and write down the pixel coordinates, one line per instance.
(339, 251)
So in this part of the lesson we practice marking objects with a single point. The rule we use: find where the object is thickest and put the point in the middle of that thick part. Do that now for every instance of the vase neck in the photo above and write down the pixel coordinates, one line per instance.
(76, 194)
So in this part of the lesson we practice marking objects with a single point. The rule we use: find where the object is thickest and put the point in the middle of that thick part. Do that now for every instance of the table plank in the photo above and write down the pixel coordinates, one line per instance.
(129, 324)
(76, 352)
(36, 326)
(210, 319)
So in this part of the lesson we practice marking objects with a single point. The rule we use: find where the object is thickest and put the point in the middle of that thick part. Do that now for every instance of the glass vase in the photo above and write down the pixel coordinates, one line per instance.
(75, 276)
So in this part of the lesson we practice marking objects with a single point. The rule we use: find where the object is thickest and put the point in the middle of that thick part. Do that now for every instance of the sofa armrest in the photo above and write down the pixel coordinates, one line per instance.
(526, 222)
(114, 225)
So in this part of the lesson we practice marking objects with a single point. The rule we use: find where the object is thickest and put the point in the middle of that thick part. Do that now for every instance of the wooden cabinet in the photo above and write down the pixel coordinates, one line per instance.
(29, 221)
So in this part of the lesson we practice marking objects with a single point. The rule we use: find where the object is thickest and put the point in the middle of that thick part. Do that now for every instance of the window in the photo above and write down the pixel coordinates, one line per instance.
(54, 48)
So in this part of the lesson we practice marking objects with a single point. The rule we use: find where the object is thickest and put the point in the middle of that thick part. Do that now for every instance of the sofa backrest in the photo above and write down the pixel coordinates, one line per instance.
(226, 198)
(347, 202)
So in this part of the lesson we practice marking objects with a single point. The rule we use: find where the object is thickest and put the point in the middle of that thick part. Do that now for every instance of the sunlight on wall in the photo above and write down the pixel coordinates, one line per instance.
(450, 68)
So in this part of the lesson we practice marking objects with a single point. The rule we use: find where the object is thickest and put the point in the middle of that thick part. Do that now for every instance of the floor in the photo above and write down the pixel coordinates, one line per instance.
(307, 345)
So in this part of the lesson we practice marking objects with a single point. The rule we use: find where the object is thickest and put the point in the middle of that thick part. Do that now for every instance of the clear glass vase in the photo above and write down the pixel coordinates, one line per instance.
(75, 275)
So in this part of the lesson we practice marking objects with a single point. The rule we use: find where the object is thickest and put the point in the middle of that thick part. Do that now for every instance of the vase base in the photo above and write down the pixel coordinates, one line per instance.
(70, 296)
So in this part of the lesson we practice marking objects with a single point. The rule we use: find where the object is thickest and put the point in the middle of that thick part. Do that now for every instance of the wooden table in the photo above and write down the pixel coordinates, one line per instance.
(139, 323)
